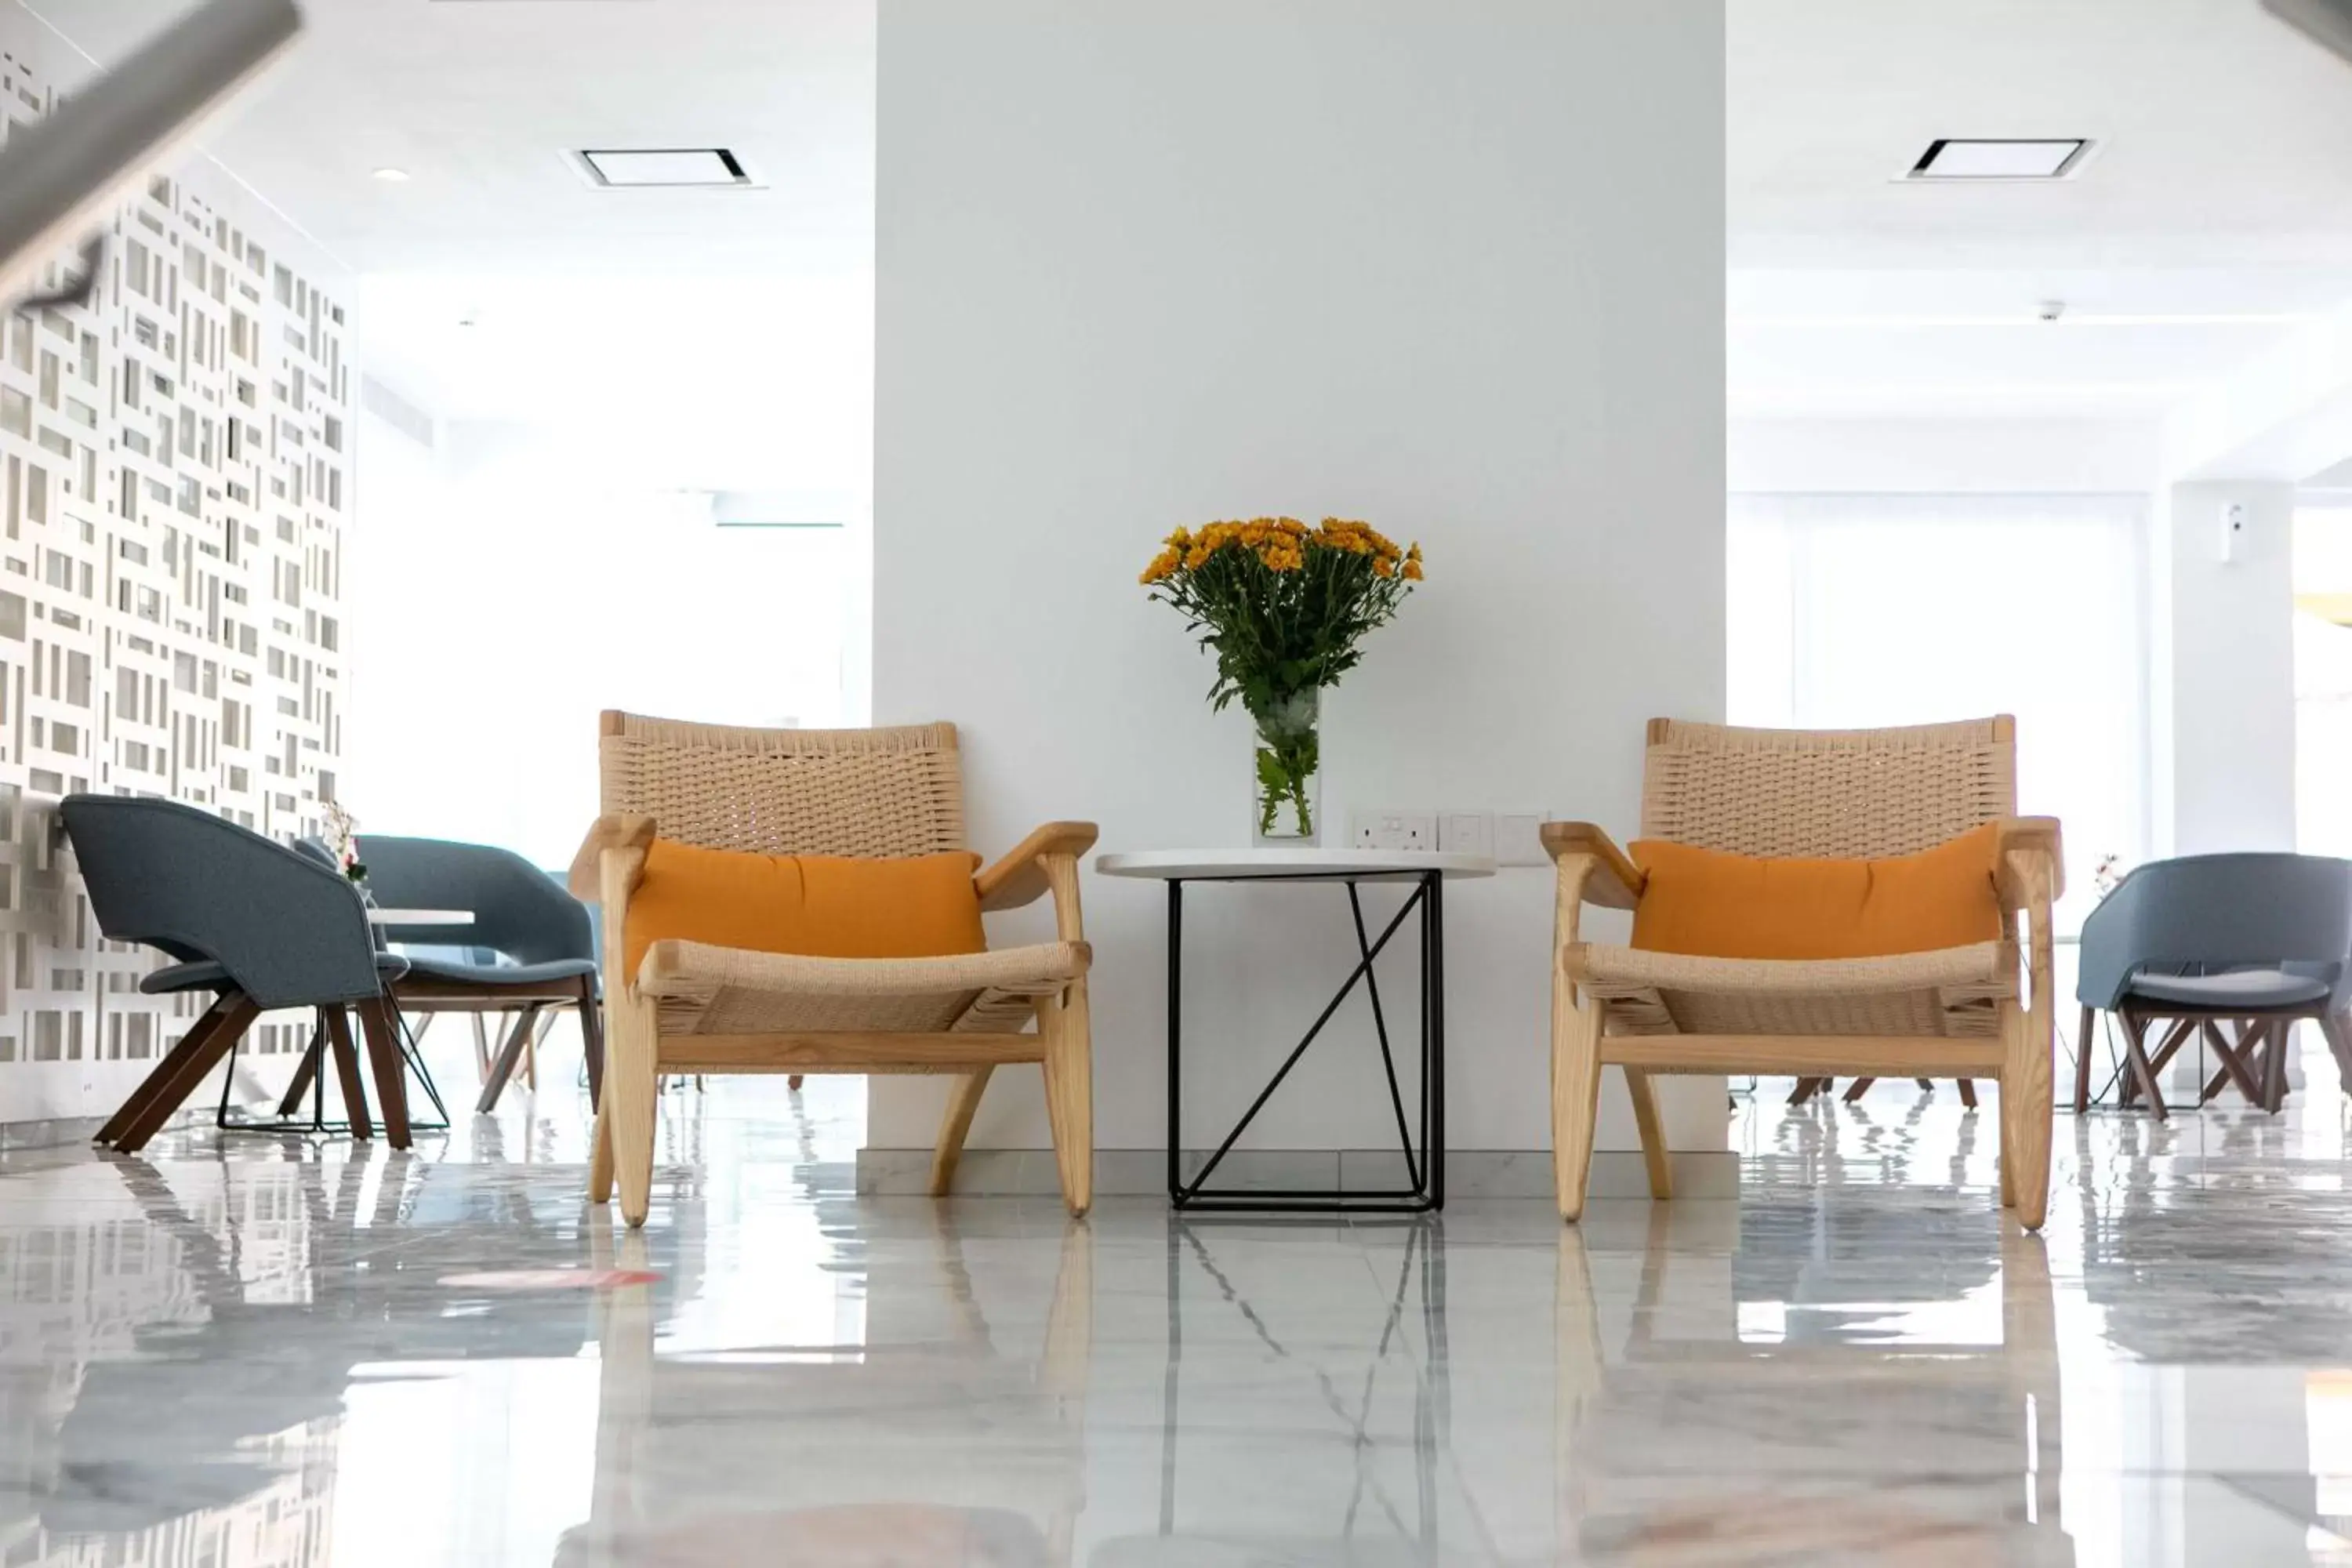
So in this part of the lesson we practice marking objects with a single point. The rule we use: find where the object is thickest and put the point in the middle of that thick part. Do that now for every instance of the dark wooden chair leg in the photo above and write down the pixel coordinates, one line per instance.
(2143, 1073)
(2083, 1061)
(591, 1041)
(189, 1044)
(1809, 1087)
(1856, 1089)
(2240, 1059)
(1969, 1093)
(347, 1072)
(793, 1081)
(2338, 1035)
(502, 1066)
(307, 1071)
(384, 1058)
(214, 1036)
(2281, 1031)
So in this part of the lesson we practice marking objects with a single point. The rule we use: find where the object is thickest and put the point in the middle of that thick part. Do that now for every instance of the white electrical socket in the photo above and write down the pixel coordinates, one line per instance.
(1391, 830)
(1519, 838)
(1466, 833)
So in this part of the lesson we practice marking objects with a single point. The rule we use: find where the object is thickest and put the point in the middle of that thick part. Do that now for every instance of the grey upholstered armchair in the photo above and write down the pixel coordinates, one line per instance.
(257, 925)
(2258, 940)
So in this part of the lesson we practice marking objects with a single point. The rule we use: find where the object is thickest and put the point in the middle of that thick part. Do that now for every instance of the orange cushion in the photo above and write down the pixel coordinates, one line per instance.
(1713, 905)
(820, 906)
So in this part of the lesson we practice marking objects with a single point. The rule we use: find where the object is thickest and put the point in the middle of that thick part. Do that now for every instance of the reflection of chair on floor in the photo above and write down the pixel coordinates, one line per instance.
(671, 1452)
(2253, 941)
(1809, 1087)
(1631, 1481)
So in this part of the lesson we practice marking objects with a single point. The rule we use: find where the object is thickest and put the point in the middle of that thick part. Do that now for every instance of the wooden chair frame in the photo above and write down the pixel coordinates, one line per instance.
(608, 869)
(1592, 869)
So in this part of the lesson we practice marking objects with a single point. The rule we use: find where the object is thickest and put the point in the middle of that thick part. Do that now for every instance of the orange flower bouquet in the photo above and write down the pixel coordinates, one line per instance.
(1283, 606)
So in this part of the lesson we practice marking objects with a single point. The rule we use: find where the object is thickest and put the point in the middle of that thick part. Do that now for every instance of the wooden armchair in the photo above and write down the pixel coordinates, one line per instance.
(1958, 1013)
(692, 1008)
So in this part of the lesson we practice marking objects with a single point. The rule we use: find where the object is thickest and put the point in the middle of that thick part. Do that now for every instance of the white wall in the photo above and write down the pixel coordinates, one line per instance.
(1455, 269)
(2225, 671)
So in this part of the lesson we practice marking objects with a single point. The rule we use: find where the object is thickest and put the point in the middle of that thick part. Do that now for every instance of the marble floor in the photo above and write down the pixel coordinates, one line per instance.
(257, 1352)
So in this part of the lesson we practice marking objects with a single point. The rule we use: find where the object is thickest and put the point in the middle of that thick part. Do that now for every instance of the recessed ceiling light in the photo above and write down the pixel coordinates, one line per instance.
(390, 176)
(1959, 158)
(632, 168)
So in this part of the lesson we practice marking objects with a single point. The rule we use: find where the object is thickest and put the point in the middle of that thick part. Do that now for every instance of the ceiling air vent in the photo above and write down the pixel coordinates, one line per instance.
(2013, 158)
(646, 168)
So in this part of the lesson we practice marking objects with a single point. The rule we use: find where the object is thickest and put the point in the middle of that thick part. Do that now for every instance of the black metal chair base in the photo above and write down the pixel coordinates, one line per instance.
(1424, 1162)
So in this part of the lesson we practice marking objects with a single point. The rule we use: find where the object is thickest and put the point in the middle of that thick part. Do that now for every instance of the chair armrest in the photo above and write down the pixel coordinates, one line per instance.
(2027, 837)
(619, 868)
(1021, 876)
(614, 831)
(1616, 882)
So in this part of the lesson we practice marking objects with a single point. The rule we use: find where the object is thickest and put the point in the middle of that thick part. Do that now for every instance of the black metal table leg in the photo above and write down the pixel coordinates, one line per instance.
(1424, 1167)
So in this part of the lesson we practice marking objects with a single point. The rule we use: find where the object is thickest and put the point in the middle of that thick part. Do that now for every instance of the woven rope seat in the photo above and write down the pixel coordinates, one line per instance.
(705, 990)
(1953, 993)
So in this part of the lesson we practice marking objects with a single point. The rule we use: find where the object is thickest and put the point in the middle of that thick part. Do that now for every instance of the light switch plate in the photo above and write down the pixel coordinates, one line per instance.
(1466, 833)
(1519, 838)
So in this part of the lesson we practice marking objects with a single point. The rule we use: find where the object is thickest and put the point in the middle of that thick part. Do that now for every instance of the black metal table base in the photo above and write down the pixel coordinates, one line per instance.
(1424, 1157)
(315, 1124)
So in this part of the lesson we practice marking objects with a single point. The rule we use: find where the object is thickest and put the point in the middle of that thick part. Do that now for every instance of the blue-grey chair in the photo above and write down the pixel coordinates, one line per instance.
(2262, 940)
(259, 925)
(531, 949)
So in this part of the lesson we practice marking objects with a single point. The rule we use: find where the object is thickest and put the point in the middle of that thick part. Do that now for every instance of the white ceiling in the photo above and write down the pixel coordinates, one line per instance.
(2217, 200)
(480, 101)
(2216, 210)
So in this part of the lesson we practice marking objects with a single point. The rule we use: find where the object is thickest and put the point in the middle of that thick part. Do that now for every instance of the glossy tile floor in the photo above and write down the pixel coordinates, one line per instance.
(262, 1354)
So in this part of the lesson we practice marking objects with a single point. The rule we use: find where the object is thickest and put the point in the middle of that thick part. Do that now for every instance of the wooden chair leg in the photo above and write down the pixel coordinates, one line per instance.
(502, 1066)
(2281, 1032)
(1655, 1156)
(592, 1040)
(1070, 1093)
(176, 1077)
(600, 1153)
(1806, 1089)
(2338, 1032)
(1575, 1095)
(347, 1071)
(2026, 1107)
(2136, 1058)
(2241, 1060)
(1856, 1089)
(632, 1083)
(2083, 1061)
(794, 1081)
(1967, 1094)
(963, 1100)
(383, 1032)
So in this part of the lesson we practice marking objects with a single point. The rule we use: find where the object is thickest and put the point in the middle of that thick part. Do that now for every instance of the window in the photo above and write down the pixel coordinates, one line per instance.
(1863, 611)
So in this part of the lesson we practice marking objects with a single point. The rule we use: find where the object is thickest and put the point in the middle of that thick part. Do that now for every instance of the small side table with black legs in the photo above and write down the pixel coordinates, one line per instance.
(1423, 878)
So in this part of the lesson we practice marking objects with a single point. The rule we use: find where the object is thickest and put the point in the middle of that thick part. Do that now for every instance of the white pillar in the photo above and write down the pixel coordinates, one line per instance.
(2225, 669)
(1455, 269)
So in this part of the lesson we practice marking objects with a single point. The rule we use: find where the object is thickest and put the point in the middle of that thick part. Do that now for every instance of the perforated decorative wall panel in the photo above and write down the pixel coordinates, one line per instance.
(174, 469)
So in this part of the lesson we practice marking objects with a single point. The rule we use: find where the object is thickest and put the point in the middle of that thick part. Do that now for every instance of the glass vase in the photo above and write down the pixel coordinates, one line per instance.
(1287, 766)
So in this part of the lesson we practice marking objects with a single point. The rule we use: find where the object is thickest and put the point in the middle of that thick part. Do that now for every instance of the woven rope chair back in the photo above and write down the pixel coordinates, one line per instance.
(1840, 793)
(872, 794)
